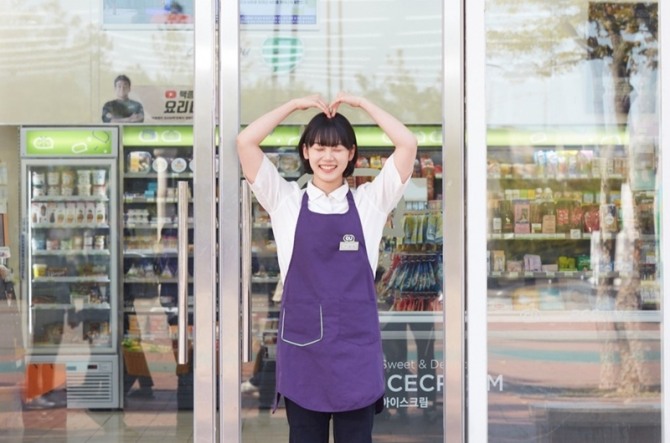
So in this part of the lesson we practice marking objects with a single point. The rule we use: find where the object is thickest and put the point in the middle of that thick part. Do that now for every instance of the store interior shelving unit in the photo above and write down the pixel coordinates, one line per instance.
(577, 214)
(154, 161)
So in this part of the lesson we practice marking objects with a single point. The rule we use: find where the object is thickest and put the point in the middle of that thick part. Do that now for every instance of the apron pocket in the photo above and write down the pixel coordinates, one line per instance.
(302, 325)
(359, 322)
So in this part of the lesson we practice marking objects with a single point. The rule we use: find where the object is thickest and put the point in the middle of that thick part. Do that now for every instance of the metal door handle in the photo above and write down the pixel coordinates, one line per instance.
(246, 271)
(182, 266)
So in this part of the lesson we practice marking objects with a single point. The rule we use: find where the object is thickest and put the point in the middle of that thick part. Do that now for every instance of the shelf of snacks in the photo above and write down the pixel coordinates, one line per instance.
(569, 219)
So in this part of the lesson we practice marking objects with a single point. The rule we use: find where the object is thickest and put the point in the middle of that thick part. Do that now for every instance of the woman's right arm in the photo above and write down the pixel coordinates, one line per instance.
(250, 138)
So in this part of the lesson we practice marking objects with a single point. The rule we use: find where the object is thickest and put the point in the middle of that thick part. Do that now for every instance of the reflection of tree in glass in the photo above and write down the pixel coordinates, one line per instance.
(58, 48)
(527, 39)
(401, 93)
(625, 35)
(398, 92)
(557, 38)
(536, 39)
(176, 57)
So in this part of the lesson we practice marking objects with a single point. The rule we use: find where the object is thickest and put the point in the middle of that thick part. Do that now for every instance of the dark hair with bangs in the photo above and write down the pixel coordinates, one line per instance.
(327, 131)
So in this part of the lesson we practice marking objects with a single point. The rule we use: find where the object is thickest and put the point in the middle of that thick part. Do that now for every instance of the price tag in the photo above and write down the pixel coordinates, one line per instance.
(575, 234)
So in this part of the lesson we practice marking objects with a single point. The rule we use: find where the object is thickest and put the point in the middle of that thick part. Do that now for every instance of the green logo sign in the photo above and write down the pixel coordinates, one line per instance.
(282, 54)
(69, 142)
(158, 136)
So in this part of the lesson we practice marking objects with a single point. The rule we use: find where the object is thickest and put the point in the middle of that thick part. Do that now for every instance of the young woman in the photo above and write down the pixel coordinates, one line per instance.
(329, 353)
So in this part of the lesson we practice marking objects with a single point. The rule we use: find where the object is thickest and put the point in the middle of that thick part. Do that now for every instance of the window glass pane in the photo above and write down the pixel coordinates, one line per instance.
(88, 227)
(61, 59)
(573, 282)
(390, 52)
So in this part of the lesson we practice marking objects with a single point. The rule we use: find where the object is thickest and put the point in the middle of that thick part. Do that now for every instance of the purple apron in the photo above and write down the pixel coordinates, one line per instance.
(329, 353)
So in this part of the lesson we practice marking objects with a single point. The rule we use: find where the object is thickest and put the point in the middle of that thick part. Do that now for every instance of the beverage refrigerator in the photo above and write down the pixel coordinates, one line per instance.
(69, 265)
(155, 161)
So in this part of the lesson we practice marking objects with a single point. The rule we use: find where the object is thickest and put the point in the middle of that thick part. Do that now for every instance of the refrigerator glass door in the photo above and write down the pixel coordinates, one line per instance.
(70, 261)
(154, 162)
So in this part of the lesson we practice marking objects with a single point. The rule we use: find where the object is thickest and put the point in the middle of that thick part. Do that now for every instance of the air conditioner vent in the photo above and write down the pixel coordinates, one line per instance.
(90, 384)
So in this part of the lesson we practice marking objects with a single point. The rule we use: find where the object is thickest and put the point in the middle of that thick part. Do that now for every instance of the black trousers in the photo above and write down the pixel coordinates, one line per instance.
(306, 426)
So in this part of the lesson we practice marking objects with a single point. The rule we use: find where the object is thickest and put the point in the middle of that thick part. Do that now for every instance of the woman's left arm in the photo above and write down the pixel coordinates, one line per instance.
(402, 138)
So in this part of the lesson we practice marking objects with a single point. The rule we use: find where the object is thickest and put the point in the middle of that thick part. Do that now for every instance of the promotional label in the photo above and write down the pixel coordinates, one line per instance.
(157, 136)
(69, 142)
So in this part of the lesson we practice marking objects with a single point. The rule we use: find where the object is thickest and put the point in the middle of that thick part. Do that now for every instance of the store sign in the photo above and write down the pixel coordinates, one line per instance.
(163, 13)
(66, 142)
(273, 13)
(158, 136)
(413, 384)
(165, 104)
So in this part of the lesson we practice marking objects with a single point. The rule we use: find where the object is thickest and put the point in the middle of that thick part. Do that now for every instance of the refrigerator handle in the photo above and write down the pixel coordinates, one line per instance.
(182, 265)
(246, 271)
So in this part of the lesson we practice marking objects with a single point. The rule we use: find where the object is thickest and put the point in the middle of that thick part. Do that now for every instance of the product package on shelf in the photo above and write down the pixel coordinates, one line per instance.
(521, 217)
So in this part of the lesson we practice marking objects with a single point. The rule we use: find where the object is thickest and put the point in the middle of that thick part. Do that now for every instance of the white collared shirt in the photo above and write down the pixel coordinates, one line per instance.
(282, 200)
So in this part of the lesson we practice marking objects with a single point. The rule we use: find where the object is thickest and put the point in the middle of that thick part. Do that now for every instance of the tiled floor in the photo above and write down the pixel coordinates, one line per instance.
(146, 420)
(157, 420)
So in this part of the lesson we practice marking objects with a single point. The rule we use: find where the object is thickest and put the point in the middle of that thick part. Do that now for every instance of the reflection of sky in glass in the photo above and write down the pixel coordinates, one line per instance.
(389, 50)
(392, 48)
(539, 71)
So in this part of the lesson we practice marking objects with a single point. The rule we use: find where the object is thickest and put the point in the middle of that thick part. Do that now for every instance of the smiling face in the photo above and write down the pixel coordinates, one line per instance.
(328, 150)
(328, 164)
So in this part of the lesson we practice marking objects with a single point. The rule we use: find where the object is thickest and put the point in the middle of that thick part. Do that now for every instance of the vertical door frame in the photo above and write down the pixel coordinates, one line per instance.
(230, 226)
(204, 214)
(453, 192)
(664, 170)
(475, 122)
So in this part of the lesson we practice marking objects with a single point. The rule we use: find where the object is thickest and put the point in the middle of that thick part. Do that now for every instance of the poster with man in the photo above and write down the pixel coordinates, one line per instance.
(122, 109)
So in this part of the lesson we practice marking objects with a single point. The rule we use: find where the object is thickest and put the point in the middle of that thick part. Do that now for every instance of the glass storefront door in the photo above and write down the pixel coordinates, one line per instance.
(103, 270)
(391, 52)
(572, 159)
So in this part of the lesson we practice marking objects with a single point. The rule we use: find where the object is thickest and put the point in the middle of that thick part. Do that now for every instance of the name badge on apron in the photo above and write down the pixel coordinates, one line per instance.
(348, 243)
